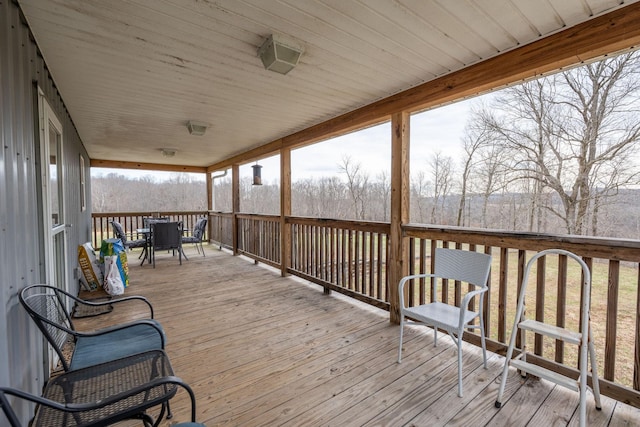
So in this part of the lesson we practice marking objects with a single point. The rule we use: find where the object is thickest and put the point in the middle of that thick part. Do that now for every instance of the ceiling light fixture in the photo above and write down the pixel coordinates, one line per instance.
(168, 152)
(279, 55)
(197, 128)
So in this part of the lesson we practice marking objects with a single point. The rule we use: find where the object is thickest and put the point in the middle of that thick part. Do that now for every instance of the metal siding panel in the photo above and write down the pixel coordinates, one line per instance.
(21, 346)
(19, 340)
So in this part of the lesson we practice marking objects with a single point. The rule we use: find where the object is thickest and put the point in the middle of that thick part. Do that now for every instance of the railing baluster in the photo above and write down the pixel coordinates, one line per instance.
(487, 300)
(502, 295)
(522, 261)
(561, 305)
(636, 359)
(612, 320)
(540, 294)
(423, 269)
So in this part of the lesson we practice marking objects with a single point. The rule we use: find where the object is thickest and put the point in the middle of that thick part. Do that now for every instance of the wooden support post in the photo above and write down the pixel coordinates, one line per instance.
(285, 210)
(235, 201)
(398, 263)
(209, 203)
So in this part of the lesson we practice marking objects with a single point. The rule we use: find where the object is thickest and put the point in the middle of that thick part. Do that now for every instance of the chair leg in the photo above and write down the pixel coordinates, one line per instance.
(594, 373)
(459, 342)
(484, 344)
(401, 332)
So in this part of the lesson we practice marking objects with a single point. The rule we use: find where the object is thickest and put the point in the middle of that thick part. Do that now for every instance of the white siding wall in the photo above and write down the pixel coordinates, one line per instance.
(22, 69)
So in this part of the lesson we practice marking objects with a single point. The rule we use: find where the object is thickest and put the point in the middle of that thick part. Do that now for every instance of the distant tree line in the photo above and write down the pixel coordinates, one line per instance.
(559, 154)
(118, 193)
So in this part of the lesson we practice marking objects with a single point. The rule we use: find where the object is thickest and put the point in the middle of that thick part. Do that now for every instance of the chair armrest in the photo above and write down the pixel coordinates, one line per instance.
(404, 280)
(101, 303)
(469, 295)
(131, 298)
(139, 389)
(466, 300)
(118, 300)
(27, 396)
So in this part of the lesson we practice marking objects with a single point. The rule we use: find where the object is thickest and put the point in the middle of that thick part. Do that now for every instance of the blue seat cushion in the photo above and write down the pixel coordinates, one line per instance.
(95, 349)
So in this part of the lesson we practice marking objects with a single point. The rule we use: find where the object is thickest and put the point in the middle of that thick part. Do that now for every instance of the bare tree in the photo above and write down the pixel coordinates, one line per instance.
(476, 137)
(357, 181)
(566, 130)
(419, 190)
(441, 171)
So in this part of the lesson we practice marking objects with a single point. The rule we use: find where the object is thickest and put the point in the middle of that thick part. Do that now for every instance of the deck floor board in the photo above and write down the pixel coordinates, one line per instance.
(262, 350)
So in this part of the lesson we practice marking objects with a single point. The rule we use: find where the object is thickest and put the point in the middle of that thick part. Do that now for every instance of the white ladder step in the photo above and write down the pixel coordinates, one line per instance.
(541, 372)
(552, 331)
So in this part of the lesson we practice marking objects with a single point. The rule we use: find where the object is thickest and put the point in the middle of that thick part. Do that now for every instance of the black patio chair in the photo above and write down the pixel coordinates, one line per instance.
(147, 221)
(166, 236)
(127, 243)
(46, 305)
(99, 410)
(197, 235)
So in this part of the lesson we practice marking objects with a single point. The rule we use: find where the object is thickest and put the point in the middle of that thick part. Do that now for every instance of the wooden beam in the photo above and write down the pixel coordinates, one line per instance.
(398, 260)
(235, 205)
(261, 152)
(285, 210)
(209, 192)
(116, 164)
(606, 34)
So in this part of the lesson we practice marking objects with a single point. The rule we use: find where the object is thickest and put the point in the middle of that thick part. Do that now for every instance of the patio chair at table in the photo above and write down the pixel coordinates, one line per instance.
(46, 305)
(147, 221)
(457, 266)
(128, 243)
(166, 236)
(197, 235)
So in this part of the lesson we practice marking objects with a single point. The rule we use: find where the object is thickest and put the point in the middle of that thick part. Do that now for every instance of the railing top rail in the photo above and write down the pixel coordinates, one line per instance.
(374, 226)
(146, 213)
(595, 247)
(258, 216)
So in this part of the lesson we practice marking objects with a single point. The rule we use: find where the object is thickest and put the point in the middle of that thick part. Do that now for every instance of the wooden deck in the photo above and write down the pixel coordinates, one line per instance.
(262, 350)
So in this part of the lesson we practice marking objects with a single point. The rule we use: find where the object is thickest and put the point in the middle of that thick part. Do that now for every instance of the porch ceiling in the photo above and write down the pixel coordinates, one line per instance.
(132, 73)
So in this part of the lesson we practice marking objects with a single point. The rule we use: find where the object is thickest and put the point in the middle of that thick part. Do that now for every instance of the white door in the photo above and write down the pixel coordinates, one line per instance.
(55, 239)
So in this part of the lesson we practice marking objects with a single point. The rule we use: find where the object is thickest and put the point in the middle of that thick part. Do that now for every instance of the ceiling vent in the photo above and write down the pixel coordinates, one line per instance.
(197, 128)
(279, 55)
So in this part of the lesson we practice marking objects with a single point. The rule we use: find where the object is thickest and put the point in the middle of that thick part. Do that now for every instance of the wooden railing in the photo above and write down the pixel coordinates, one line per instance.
(553, 298)
(346, 256)
(132, 220)
(221, 228)
(259, 238)
(351, 257)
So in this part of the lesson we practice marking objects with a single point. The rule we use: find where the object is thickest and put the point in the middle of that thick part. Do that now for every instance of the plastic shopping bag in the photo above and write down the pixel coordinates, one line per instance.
(113, 283)
(110, 247)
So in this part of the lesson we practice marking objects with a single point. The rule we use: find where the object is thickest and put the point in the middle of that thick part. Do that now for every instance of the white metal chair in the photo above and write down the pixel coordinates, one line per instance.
(458, 265)
(582, 338)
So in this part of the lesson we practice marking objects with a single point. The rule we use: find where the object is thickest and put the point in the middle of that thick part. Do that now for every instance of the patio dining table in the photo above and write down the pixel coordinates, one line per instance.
(146, 232)
(110, 392)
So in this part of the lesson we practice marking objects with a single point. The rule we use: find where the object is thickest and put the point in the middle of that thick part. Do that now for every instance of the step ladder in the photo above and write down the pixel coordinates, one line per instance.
(583, 339)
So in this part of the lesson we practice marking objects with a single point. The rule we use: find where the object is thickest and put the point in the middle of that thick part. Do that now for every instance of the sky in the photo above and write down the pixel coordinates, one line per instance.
(436, 130)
